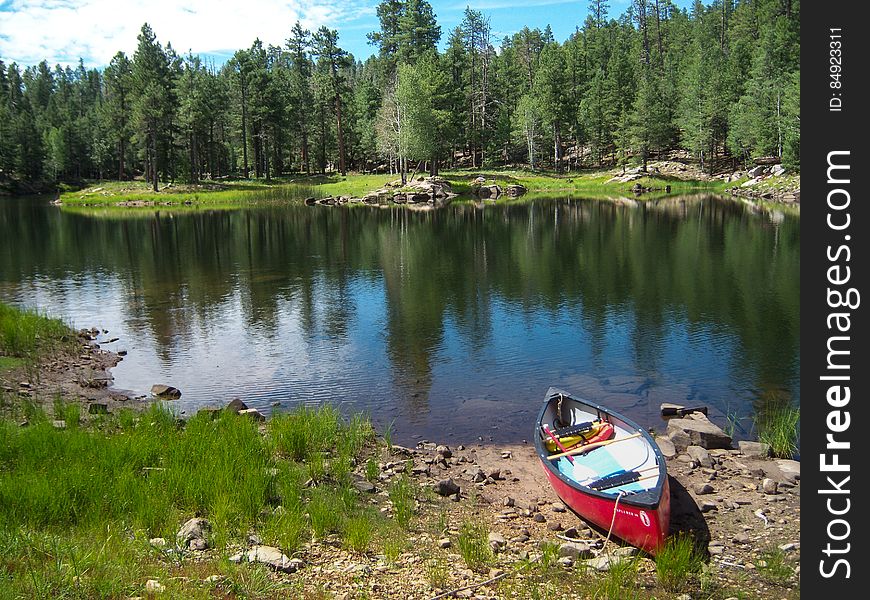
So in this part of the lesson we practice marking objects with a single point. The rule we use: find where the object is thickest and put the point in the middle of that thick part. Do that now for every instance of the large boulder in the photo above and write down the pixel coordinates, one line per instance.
(488, 191)
(700, 430)
(515, 190)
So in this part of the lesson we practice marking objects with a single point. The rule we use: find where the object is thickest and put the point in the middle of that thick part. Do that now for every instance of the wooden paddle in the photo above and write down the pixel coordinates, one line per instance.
(558, 443)
(591, 446)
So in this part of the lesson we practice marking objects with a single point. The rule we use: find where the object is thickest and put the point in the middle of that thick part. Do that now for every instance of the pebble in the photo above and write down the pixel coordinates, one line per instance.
(554, 526)
(539, 518)
(558, 508)
(152, 586)
(508, 501)
(741, 538)
(708, 505)
(769, 486)
(566, 561)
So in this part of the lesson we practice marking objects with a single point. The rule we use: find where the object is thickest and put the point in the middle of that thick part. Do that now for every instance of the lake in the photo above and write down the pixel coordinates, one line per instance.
(447, 325)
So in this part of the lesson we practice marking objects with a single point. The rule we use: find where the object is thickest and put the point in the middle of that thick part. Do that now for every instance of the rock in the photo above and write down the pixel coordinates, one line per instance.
(194, 529)
(539, 518)
(158, 542)
(508, 501)
(571, 532)
(554, 526)
(444, 543)
(777, 170)
(753, 449)
(700, 455)
(741, 538)
(152, 586)
(680, 440)
(478, 477)
(444, 451)
(667, 447)
(254, 539)
(566, 561)
(576, 551)
(515, 190)
(364, 485)
(769, 486)
(789, 547)
(558, 507)
(236, 406)
(756, 171)
(446, 487)
(600, 563)
(165, 392)
(791, 469)
(198, 544)
(253, 413)
(488, 191)
(58, 424)
(708, 505)
(701, 431)
(496, 541)
(273, 557)
(495, 475)
(97, 408)
(702, 489)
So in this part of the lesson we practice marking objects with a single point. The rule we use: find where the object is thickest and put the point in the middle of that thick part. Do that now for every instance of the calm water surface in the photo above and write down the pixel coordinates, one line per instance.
(452, 324)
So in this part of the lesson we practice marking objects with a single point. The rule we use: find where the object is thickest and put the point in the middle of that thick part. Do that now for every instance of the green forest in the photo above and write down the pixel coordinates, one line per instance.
(719, 81)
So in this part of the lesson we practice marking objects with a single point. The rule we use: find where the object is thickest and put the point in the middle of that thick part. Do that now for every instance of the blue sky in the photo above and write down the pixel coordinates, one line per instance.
(62, 31)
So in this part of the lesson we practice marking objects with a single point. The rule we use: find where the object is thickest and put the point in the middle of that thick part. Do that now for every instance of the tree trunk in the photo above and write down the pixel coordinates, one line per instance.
(154, 160)
(245, 129)
(341, 164)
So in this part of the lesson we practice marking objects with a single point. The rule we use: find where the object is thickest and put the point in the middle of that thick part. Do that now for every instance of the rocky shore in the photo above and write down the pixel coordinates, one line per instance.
(422, 193)
(741, 507)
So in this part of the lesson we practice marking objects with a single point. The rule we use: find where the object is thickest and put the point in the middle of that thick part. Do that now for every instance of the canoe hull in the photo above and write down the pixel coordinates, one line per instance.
(641, 527)
(641, 518)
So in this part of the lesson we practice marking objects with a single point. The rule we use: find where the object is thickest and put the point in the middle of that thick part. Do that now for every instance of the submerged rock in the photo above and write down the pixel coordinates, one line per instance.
(165, 392)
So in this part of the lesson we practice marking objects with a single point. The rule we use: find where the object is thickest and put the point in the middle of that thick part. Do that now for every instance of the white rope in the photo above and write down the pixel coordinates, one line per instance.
(613, 519)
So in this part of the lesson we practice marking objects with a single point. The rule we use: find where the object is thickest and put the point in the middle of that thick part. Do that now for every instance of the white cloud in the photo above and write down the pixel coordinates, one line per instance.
(61, 31)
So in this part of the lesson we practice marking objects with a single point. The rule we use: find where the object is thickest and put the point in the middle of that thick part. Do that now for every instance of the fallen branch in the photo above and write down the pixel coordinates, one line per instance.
(470, 587)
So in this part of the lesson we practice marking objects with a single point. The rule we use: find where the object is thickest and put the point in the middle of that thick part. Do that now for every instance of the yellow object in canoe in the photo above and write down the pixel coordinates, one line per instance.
(572, 440)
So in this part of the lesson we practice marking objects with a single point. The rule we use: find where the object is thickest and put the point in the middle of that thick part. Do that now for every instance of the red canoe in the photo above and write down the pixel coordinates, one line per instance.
(619, 485)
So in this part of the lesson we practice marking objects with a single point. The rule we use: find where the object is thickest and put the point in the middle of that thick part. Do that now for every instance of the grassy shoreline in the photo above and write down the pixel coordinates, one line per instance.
(238, 192)
(91, 503)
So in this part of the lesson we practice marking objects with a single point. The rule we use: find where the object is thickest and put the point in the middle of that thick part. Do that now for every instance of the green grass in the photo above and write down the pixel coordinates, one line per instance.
(773, 567)
(82, 503)
(677, 562)
(777, 426)
(227, 194)
(403, 496)
(620, 582)
(26, 332)
(589, 184)
(473, 545)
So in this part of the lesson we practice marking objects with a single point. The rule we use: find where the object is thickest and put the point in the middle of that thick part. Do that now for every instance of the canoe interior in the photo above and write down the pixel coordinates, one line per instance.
(633, 454)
